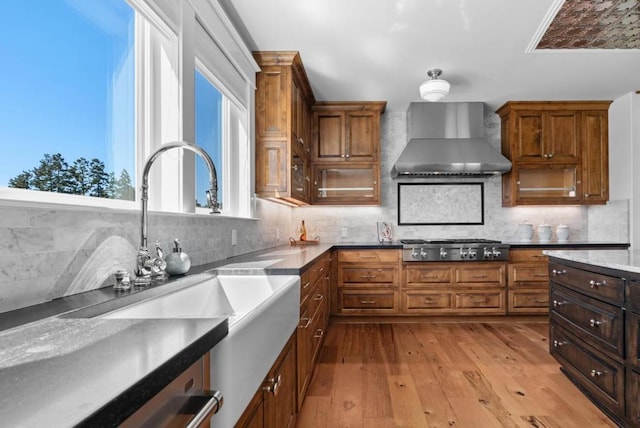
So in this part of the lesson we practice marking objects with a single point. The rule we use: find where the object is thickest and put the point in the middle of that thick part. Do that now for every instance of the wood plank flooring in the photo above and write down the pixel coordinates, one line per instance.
(443, 374)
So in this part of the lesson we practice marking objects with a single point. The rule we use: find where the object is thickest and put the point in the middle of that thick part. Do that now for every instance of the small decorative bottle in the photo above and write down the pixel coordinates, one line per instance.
(303, 232)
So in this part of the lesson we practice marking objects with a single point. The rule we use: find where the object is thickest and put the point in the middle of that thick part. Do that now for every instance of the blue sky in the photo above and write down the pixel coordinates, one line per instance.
(56, 81)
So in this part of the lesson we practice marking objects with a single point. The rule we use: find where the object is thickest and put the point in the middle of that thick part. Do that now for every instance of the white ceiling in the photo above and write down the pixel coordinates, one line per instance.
(380, 50)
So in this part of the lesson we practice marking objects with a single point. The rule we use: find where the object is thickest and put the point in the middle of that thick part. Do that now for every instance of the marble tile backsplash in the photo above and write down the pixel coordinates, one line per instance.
(49, 252)
(53, 252)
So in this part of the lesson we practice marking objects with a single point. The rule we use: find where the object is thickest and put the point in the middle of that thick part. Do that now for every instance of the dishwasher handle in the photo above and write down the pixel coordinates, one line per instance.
(212, 404)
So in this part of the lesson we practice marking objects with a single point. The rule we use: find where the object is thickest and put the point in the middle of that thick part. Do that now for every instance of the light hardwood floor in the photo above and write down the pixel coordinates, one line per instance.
(443, 374)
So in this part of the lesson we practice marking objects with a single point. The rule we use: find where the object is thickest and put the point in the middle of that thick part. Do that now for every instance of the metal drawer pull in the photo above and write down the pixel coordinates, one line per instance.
(557, 344)
(555, 272)
(429, 300)
(307, 322)
(318, 298)
(319, 333)
(596, 373)
(305, 285)
(367, 302)
(478, 276)
(541, 301)
(367, 276)
(594, 323)
(211, 407)
(540, 275)
(595, 284)
(273, 385)
(368, 257)
(557, 304)
(321, 269)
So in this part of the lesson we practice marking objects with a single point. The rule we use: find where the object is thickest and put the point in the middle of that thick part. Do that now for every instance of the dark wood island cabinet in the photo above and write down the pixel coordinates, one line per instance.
(594, 333)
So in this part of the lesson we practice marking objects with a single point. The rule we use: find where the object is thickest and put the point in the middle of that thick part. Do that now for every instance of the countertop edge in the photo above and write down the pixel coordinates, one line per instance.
(126, 404)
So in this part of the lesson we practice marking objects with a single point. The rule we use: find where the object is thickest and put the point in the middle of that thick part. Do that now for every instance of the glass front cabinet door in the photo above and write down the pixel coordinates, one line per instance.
(346, 184)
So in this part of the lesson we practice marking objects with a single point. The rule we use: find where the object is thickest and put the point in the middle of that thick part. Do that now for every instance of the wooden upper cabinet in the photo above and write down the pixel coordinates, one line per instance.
(347, 131)
(546, 136)
(558, 150)
(595, 157)
(296, 136)
(283, 149)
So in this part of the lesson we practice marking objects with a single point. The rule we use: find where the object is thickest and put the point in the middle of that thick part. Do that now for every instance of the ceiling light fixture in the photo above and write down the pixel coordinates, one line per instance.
(434, 89)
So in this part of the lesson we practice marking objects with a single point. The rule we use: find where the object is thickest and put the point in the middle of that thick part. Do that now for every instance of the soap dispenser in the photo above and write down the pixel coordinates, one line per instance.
(178, 263)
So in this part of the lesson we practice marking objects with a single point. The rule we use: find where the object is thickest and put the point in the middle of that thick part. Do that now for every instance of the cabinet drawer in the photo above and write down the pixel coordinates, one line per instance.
(601, 376)
(416, 301)
(477, 274)
(594, 284)
(306, 285)
(418, 276)
(480, 300)
(368, 256)
(529, 275)
(523, 256)
(358, 275)
(528, 301)
(367, 301)
(600, 324)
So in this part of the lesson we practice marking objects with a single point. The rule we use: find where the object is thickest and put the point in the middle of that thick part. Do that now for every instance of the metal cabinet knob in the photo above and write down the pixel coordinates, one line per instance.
(595, 284)
(594, 323)
(556, 272)
(273, 384)
(596, 373)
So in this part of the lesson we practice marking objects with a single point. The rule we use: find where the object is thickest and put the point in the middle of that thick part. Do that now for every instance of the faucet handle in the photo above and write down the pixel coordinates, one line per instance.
(159, 251)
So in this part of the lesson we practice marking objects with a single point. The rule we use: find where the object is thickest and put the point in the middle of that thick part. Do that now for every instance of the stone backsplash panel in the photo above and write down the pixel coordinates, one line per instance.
(50, 252)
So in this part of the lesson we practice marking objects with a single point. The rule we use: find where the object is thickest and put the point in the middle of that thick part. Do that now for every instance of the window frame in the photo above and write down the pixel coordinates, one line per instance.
(175, 19)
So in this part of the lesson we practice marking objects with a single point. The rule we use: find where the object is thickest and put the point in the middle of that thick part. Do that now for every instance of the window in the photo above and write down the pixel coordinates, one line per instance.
(89, 89)
(208, 123)
(67, 97)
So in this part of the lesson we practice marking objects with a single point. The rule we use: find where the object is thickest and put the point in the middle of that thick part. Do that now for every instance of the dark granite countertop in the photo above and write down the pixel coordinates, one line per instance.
(91, 371)
(62, 372)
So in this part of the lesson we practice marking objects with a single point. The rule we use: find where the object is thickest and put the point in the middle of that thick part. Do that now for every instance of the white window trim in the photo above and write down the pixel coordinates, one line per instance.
(168, 16)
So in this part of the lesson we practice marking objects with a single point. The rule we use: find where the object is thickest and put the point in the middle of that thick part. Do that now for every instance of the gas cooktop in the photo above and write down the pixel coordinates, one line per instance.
(458, 249)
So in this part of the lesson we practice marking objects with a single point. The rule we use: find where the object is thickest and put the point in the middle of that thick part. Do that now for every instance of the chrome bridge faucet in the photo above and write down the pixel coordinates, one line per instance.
(145, 264)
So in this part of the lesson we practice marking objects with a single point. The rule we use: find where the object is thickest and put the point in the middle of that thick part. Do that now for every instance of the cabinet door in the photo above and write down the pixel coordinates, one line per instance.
(329, 138)
(272, 102)
(346, 184)
(595, 157)
(300, 176)
(363, 142)
(560, 136)
(547, 184)
(280, 399)
(528, 143)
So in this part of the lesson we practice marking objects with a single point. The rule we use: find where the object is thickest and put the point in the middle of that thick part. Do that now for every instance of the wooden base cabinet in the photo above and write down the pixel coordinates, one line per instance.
(367, 282)
(314, 320)
(274, 404)
(466, 288)
(593, 333)
(528, 282)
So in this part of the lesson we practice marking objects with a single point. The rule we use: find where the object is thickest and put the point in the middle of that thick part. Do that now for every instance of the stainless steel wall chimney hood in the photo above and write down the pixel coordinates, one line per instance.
(448, 139)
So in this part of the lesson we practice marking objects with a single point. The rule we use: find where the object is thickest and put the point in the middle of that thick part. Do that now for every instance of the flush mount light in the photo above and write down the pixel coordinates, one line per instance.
(434, 89)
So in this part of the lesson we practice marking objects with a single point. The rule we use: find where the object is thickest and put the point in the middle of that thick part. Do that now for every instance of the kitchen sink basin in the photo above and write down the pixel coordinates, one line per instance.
(263, 311)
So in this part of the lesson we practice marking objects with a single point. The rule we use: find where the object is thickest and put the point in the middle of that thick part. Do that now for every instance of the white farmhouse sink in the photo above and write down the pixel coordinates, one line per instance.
(263, 311)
